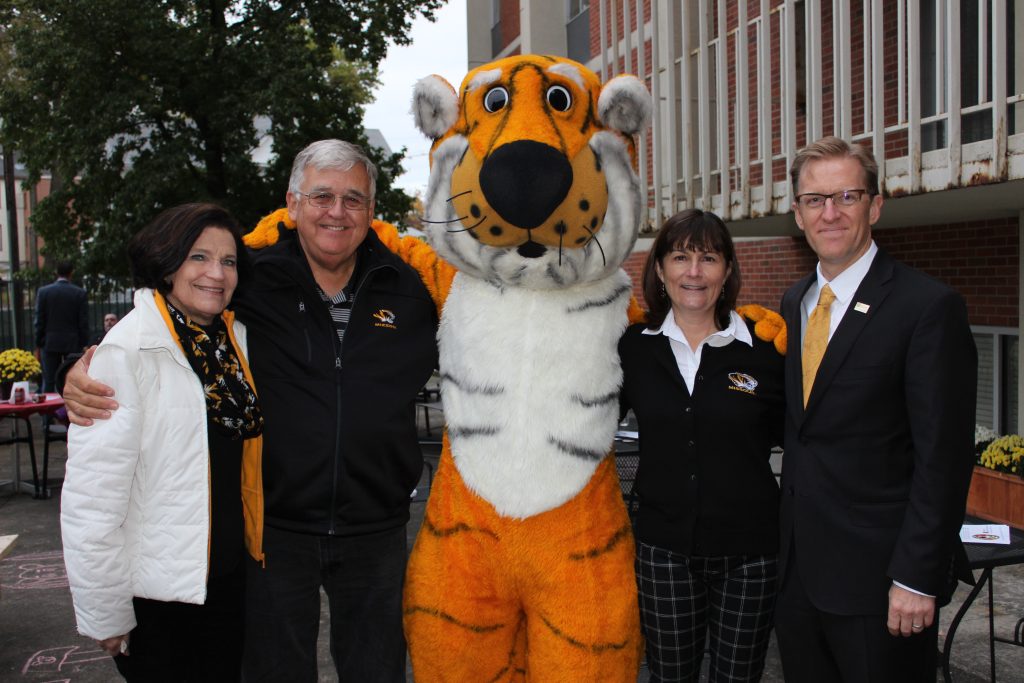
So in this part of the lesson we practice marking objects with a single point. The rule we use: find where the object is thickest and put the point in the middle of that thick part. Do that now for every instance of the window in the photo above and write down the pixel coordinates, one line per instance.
(577, 30)
(998, 356)
(497, 43)
(576, 7)
(975, 29)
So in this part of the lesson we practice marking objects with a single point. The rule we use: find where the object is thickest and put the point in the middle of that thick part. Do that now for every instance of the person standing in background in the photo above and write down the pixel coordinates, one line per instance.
(61, 322)
(109, 320)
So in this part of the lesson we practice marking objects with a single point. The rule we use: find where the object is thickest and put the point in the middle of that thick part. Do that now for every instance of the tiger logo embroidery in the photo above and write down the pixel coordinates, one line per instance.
(523, 568)
(385, 316)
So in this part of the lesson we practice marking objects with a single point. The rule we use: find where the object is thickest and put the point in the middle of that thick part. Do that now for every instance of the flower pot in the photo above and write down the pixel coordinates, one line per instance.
(996, 496)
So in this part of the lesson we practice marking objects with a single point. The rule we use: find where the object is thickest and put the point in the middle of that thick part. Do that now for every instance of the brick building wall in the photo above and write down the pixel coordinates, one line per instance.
(978, 259)
(508, 11)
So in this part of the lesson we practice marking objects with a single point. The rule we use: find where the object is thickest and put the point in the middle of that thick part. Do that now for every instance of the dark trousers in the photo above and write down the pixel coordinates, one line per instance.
(175, 642)
(685, 600)
(51, 360)
(820, 647)
(362, 577)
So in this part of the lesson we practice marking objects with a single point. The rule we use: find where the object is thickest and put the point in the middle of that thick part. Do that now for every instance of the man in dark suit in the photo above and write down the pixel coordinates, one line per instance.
(879, 439)
(62, 325)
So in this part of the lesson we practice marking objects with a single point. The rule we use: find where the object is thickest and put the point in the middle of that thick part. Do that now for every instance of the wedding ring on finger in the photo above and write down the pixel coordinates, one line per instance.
(916, 627)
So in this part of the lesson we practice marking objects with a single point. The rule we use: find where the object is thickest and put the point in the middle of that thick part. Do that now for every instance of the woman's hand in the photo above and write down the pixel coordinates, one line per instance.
(85, 398)
(118, 645)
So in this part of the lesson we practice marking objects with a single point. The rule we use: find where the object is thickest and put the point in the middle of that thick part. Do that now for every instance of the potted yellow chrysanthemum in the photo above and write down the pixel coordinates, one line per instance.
(17, 365)
(997, 488)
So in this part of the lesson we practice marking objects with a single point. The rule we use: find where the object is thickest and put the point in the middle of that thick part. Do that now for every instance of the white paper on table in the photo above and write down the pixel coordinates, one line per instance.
(985, 533)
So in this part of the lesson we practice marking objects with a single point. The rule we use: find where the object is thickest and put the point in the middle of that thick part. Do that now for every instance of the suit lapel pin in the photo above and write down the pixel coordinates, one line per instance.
(861, 307)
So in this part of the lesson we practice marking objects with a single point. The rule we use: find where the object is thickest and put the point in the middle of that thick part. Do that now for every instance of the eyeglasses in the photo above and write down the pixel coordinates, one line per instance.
(813, 200)
(325, 200)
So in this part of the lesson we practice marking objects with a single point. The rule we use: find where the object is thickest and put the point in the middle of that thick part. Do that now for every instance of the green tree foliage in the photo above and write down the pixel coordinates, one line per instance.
(135, 106)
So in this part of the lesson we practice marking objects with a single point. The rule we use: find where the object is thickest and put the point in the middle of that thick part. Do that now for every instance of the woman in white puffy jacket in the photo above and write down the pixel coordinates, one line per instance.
(152, 503)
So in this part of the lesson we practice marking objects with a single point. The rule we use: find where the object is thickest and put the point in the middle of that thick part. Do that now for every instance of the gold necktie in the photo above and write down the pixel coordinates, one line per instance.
(816, 338)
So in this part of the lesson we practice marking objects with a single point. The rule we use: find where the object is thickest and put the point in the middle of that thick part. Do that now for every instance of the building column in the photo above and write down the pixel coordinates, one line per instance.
(1020, 323)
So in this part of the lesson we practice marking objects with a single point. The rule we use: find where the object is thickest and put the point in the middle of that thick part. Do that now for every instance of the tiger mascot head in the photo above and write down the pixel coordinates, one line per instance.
(531, 181)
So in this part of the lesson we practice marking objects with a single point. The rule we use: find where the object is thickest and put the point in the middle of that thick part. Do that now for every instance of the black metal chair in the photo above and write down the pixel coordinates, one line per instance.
(55, 428)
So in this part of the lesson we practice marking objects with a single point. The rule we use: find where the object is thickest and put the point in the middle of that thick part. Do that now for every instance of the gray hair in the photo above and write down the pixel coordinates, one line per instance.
(331, 154)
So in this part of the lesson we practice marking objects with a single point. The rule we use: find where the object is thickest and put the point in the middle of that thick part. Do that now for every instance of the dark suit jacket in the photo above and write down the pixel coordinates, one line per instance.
(62, 324)
(876, 469)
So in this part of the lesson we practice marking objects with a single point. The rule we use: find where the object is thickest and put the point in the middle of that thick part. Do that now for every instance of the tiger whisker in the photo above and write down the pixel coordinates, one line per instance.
(475, 225)
(455, 196)
(450, 220)
(593, 238)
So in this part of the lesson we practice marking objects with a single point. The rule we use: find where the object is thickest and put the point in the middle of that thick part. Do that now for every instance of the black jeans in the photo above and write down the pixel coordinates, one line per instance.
(362, 577)
(175, 642)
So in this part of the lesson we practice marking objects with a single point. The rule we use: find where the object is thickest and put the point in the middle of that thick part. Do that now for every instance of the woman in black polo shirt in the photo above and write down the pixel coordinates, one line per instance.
(708, 397)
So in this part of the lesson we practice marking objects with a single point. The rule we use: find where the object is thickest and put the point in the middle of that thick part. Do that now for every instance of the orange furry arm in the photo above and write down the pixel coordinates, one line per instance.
(635, 313)
(768, 325)
(436, 273)
(266, 233)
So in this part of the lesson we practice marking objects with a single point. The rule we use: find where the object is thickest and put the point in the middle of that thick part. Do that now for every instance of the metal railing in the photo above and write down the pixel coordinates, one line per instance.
(934, 88)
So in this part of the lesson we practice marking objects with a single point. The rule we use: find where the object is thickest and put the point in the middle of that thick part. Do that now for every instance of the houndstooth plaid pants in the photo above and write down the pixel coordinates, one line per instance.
(686, 601)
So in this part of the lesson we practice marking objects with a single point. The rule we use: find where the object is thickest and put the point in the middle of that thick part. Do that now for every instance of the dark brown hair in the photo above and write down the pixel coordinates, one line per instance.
(831, 147)
(694, 230)
(159, 249)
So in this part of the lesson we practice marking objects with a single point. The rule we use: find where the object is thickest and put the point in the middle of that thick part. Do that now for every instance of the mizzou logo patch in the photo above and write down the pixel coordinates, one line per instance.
(742, 382)
(385, 318)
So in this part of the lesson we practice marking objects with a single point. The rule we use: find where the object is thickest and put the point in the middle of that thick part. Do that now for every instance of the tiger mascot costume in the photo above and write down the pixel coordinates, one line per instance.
(523, 568)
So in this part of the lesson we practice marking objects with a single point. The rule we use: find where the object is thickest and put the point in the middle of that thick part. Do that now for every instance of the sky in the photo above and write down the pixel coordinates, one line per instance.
(437, 48)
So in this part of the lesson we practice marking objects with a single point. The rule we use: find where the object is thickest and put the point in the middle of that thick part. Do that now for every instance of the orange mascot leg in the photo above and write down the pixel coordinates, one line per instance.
(543, 599)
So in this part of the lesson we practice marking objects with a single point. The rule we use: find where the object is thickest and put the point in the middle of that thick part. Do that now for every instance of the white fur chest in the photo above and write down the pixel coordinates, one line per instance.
(530, 386)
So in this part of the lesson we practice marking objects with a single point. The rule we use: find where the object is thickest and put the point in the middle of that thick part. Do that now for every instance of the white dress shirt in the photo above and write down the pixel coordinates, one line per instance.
(687, 359)
(844, 286)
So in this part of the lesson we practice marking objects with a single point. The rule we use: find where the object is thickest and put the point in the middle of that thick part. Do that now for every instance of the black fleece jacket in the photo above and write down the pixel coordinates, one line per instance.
(340, 455)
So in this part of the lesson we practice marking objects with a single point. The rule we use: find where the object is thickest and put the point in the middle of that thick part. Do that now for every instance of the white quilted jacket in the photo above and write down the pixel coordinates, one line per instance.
(135, 506)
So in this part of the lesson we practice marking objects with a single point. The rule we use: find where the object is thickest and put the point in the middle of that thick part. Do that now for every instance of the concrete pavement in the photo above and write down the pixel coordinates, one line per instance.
(39, 643)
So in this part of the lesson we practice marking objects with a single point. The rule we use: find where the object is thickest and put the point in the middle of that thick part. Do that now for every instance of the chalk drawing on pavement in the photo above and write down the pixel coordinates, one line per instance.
(34, 571)
(60, 659)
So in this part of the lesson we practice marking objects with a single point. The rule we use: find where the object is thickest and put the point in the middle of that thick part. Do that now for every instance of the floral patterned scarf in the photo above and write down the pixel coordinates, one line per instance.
(231, 403)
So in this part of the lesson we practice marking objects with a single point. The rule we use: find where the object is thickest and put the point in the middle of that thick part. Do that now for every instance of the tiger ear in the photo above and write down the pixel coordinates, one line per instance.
(435, 106)
(625, 105)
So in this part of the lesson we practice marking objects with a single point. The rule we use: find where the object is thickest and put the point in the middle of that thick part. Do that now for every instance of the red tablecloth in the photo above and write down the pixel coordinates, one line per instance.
(22, 412)
(51, 404)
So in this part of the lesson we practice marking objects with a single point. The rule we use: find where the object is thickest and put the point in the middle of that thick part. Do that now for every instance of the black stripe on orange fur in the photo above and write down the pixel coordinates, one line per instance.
(460, 528)
(617, 537)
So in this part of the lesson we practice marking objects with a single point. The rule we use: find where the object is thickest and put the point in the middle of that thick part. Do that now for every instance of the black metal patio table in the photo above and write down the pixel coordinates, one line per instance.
(986, 557)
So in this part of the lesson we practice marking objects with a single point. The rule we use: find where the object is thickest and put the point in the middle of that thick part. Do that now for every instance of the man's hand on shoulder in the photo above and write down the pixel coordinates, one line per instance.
(85, 398)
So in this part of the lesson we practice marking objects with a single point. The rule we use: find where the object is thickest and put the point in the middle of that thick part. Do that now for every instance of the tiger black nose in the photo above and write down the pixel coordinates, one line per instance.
(521, 170)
